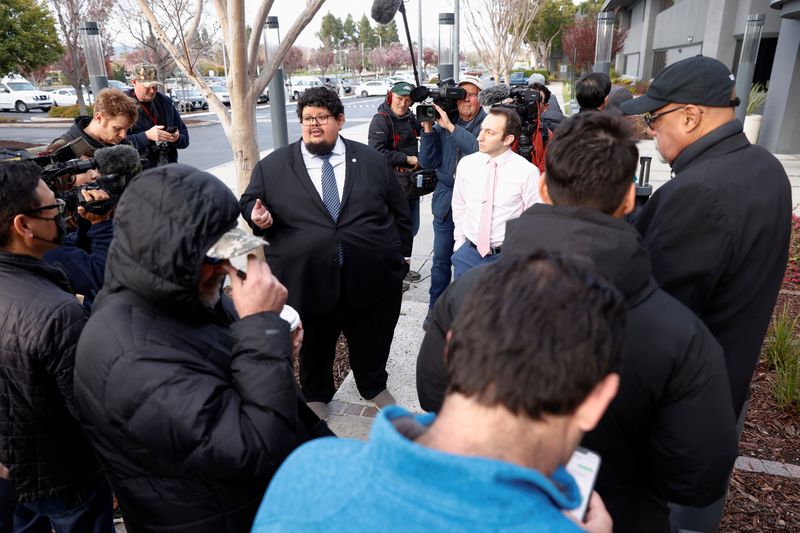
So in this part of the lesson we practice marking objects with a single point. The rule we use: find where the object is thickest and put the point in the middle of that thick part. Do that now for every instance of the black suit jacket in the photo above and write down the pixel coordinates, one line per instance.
(373, 227)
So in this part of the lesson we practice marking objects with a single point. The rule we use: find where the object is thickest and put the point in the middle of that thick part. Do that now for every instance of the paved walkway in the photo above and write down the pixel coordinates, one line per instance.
(351, 416)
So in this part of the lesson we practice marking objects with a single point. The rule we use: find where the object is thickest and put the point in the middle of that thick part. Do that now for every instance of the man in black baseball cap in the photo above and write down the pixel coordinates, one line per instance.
(718, 232)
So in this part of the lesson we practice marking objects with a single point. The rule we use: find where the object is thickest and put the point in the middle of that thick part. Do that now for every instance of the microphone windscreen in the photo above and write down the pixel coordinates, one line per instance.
(494, 94)
(418, 94)
(383, 11)
(119, 159)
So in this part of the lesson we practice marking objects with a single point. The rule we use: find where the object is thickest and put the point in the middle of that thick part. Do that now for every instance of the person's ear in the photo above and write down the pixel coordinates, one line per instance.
(508, 140)
(592, 408)
(340, 120)
(543, 192)
(691, 117)
(627, 204)
(21, 226)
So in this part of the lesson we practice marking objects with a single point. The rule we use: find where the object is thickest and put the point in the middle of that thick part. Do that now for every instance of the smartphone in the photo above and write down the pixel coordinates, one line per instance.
(583, 466)
(171, 129)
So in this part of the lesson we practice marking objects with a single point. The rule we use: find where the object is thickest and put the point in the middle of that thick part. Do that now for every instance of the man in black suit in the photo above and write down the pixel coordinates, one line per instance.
(340, 240)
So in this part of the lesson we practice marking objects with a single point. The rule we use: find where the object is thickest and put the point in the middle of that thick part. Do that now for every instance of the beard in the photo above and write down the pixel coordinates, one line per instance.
(320, 148)
(210, 292)
(658, 152)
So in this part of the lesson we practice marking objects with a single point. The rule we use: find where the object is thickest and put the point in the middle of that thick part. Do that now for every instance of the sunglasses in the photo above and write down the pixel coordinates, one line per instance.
(649, 119)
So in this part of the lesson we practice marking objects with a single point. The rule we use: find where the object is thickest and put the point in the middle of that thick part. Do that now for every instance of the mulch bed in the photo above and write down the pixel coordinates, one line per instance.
(16, 145)
(761, 502)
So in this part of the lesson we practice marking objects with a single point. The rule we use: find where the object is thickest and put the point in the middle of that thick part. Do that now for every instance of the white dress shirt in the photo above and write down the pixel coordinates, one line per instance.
(516, 189)
(314, 166)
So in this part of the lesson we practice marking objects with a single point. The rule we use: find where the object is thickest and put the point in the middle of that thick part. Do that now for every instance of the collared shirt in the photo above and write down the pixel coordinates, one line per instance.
(313, 165)
(516, 189)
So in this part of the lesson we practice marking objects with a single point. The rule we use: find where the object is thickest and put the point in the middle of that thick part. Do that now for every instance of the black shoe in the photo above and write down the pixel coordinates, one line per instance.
(427, 321)
(413, 276)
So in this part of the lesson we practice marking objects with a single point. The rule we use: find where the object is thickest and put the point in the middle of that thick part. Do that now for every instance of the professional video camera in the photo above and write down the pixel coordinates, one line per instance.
(445, 96)
(526, 103)
(117, 166)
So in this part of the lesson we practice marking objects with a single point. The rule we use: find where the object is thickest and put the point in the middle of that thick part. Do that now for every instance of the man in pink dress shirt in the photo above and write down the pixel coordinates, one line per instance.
(492, 186)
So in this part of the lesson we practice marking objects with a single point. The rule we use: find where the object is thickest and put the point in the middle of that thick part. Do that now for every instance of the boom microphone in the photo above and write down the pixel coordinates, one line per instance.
(122, 160)
(383, 11)
(494, 94)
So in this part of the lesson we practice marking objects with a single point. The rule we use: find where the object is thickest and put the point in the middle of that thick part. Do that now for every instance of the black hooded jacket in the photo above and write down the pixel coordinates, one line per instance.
(393, 136)
(190, 410)
(669, 435)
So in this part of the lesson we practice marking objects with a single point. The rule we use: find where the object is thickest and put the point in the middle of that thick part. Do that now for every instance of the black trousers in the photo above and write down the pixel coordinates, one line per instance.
(369, 332)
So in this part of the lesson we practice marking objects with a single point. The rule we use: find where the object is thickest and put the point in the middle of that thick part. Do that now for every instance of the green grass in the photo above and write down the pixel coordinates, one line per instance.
(782, 354)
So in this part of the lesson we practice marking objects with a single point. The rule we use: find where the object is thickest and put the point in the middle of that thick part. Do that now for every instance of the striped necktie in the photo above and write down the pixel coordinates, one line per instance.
(330, 196)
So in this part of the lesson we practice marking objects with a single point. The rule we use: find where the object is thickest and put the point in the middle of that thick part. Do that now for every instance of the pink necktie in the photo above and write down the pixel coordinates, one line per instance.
(485, 228)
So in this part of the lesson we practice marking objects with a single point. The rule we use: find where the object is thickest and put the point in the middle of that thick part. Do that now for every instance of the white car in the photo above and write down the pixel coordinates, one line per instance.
(222, 93)
(116, 84)
(18, 93)
(67, 97)
(373, 88)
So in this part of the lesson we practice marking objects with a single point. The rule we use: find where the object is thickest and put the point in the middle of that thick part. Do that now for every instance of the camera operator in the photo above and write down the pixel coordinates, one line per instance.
(393, 132)
(82, 255)
(551, 114)
(441, 147)
(114, 113)
(159, 132)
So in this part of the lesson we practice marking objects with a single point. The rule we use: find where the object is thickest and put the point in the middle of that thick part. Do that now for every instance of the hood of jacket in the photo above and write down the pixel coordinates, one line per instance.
(165, 222)
(614, 245)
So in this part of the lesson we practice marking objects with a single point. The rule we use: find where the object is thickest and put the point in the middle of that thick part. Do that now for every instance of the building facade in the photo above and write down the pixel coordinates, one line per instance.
(661, 32)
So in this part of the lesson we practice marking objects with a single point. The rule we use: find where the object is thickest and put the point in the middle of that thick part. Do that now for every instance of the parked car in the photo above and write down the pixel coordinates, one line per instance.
(116, 84)
(299, 84)
(68, 96)
(222, 93)
(188, 100)
(335, 83)
(263, 98)
(517, 79)
(18, 93)
(373, 88)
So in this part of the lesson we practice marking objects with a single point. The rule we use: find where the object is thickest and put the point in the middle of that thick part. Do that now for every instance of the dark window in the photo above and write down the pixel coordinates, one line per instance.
(659, 61)
(663, 5)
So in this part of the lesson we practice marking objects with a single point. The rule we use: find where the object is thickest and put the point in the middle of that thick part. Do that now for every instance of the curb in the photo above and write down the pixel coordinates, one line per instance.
(763, 466)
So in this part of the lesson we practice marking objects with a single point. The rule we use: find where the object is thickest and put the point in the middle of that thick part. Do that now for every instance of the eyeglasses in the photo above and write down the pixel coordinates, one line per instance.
(319, 119)
(60, 205)
(649, 119)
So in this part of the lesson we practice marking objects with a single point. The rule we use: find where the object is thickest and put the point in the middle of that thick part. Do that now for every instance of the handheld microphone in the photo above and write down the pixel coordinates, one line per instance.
(383, 11)
(494, 94)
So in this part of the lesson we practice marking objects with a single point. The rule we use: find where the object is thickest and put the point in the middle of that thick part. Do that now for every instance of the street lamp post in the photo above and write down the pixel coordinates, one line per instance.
(605, 38)
(747, 61)
(446, 23)
(277, 96)
(95, 62)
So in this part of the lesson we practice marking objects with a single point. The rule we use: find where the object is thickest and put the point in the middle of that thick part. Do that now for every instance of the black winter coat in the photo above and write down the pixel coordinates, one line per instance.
(669, 435)
(396, 138)
(163, 111)
(190, 410)
(718, 237)
(41, 442)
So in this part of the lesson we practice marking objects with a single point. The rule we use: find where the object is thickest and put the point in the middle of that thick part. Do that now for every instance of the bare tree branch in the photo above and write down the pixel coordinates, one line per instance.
(498, 28)
(255, 34)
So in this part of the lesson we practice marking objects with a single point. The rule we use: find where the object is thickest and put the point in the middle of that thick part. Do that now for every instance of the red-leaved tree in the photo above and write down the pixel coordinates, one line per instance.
(580, 39)
(322, 58)
(396, 56)
(294, 60)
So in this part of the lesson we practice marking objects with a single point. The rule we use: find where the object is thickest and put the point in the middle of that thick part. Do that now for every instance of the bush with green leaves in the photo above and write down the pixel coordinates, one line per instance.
(758, 96)
(70, 111)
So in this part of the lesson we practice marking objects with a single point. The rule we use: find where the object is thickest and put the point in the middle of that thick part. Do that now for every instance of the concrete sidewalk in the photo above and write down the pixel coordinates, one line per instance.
(351, 415)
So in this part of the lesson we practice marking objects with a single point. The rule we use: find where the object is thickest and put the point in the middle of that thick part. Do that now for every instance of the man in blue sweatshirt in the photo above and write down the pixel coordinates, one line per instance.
(533, 360)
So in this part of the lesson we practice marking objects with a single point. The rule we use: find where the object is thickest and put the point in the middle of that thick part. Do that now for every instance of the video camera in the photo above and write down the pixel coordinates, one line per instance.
(116, 164)
(445, 96)
(526, 103)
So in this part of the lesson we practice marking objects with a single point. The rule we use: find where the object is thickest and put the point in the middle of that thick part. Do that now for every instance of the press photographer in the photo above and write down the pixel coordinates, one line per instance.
(90, 189)
(442, 144)
(527, 102)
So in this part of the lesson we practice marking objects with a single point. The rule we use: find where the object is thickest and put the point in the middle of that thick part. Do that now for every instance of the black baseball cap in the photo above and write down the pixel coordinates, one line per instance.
(696, 80)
